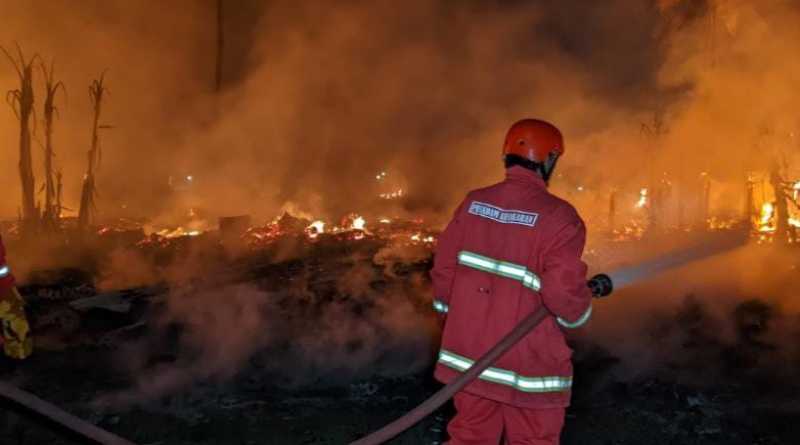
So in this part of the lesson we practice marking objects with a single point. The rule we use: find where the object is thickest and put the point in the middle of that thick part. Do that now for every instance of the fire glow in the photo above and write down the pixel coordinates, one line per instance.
(766, 223)
(642, 198)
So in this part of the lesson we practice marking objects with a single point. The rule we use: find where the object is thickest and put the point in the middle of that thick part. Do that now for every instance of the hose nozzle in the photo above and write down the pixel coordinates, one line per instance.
(600, 285)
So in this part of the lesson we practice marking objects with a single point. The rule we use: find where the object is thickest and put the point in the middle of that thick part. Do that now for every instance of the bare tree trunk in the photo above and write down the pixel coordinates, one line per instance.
(21, 101)
(29, 211)
(89, 190)
(51, 208)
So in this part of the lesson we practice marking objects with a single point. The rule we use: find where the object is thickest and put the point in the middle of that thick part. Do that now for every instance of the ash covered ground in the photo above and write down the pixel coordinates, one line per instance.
(323, 341)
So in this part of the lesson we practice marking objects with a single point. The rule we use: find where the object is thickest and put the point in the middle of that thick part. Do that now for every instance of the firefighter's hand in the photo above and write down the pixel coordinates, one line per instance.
(16, 340)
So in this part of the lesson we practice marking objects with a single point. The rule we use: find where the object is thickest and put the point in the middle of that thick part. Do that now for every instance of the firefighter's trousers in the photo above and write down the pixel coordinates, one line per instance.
(480, 421)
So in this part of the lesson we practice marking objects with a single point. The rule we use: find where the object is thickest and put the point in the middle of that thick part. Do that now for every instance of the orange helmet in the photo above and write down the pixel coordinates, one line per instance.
(534, 144)
(534, 140)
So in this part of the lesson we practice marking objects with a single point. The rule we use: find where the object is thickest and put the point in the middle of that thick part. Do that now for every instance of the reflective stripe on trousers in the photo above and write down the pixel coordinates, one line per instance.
(507, 377)
(4, 271)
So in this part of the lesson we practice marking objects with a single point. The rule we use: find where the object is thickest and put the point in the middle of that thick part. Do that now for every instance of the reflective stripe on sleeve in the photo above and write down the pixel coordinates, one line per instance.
(579, 322)
(502, 268)
(506, 377)
(440, 306)
(4, 271)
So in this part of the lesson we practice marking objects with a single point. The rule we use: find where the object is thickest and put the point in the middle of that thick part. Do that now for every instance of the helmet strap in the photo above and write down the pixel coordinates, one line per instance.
(544, 169)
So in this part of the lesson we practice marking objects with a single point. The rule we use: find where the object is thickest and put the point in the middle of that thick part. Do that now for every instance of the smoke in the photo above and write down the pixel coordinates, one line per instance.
(220, 330)
(337, 95)
(729, 316)
(154, 92)
(317, 99)
(331, 323)
(396, 254)
(126, 269)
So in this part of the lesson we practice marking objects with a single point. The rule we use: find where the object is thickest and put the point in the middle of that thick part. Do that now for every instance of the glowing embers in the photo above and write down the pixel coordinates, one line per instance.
(633, 229)
(392, 195)
(315, 229)
(389, 189)
(177, 233)
(715, 223)
(420, 238)
(353, 226)
(359, 223)
(165, 237)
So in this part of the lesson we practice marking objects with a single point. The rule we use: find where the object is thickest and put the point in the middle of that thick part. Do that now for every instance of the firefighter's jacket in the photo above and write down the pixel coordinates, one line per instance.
(14, 329)
(509, 249)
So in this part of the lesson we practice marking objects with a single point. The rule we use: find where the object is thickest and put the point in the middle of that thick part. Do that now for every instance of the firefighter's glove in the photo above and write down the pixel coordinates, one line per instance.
(16, 340)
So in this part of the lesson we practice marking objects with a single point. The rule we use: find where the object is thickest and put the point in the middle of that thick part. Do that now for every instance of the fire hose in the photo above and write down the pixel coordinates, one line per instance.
(601, 286)
(59, 416)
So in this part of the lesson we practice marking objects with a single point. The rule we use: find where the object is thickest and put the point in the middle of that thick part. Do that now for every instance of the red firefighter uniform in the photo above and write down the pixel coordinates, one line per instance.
(16, 342)
(509, 249)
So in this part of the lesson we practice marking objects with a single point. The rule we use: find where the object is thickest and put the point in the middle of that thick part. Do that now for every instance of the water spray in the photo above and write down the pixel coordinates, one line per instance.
(629, 275)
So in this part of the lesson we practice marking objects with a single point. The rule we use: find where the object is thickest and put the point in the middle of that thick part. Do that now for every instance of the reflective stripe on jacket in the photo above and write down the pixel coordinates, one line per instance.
(510, 248)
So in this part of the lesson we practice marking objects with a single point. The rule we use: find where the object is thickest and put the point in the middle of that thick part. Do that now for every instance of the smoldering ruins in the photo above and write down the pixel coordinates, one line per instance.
(222, 214)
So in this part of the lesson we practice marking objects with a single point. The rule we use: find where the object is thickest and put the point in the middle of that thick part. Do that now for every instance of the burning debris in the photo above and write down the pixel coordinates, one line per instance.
(350, 227)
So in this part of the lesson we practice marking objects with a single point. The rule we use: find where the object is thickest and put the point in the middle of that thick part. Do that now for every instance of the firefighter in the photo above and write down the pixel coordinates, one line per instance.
(16, 342)
(510, 248)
